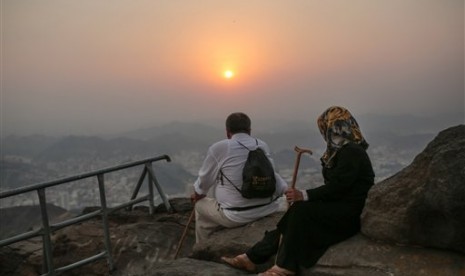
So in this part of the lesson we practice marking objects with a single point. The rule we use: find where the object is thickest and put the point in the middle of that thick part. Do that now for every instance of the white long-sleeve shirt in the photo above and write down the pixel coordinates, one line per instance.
(229, 156)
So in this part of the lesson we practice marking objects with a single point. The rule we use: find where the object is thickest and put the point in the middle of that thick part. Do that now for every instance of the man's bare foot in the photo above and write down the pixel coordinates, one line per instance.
(241, 262)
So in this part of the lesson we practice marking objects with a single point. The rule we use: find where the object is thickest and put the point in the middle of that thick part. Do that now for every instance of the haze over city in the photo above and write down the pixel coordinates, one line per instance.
(95, 67)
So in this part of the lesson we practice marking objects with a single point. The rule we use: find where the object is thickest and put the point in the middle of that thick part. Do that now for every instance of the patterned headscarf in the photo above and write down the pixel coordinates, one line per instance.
(338, 128)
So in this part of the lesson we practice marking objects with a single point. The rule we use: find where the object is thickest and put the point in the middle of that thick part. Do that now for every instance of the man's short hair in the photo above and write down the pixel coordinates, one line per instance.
(238, 122)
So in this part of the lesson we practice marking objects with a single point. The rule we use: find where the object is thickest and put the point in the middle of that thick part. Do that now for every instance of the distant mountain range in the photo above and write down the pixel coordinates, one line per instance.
(177, 136)
(196, 131)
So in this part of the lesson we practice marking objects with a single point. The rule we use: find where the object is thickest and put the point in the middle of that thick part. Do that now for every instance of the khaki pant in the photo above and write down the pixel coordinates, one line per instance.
(209, 217)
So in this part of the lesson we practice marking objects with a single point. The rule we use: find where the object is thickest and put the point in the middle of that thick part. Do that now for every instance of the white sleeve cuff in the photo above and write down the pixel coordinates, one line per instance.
(304, 194)
(197, 189)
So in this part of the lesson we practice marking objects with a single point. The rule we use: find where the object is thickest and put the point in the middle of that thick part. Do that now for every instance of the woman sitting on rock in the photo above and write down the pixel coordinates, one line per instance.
(323, 216)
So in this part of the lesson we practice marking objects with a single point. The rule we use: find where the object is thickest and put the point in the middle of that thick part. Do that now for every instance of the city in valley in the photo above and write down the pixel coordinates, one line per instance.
(36, 159)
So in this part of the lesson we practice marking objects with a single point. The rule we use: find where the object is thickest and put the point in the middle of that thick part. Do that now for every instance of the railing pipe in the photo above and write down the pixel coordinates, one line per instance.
(104, 211)
(139, 183)
(88, 260)
(62, 224)
(128, 204)
(47, 243)
(106, 230)
(150, 181)
(81, 176)
(20, 237)
(75, 220)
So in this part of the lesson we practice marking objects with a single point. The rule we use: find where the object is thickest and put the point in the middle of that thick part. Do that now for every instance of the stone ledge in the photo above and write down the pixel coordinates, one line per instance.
(360, 256)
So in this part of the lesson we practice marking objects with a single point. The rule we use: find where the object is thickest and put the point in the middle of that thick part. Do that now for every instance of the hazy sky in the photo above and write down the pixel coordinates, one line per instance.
(89, 67)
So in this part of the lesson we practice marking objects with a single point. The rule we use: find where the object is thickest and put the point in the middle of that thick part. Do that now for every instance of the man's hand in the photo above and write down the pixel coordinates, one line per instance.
(293, 195)
(196, 197)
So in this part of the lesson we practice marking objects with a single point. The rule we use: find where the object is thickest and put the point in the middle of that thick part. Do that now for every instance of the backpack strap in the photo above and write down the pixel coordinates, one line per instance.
(221, 179)
(222, 174)
(256, 141)
(221, 171)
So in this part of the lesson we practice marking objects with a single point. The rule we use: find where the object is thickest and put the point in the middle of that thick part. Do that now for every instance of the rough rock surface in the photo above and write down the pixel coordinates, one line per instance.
(230, 242)
(361, 256)
(193, 267)
(424, 204)
(139, 241)
(357, 256)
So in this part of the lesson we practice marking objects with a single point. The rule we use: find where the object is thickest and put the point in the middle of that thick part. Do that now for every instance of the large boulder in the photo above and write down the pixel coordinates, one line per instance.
(361, 256)
(424, 204)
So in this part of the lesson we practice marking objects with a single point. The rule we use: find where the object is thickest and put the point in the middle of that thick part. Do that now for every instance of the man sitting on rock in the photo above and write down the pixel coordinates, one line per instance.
(222, 168)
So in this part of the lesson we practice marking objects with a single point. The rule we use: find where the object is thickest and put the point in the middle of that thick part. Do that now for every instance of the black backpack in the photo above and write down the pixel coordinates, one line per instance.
(258, 180)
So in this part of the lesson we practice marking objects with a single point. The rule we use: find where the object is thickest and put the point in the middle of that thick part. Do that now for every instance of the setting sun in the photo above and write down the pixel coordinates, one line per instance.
(228, 74)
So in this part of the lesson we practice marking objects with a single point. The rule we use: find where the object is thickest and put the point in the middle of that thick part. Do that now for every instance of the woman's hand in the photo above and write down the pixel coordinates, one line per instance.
(293, 195)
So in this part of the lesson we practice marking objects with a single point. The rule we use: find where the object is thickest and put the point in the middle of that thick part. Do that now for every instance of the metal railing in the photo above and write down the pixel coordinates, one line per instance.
(47, 229)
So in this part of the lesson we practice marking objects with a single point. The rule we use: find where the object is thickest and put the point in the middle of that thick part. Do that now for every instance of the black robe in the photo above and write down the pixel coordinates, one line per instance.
(331, 214)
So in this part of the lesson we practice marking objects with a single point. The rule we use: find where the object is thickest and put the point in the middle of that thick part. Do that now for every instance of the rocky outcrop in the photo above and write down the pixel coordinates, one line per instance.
(424, 204)
(139, 241)
(413, 224)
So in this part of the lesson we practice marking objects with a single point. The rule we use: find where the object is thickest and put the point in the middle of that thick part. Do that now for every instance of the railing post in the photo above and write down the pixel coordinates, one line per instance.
(106, 231)
(139, 183)
(47, 242)
(151, 194)
(153, 180)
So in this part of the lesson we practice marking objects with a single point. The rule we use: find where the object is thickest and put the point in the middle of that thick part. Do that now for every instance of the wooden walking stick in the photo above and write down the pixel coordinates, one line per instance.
(299, 151)
(191, 217)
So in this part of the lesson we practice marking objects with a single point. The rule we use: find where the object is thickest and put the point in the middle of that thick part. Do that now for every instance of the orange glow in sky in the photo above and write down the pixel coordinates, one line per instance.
(173, 57)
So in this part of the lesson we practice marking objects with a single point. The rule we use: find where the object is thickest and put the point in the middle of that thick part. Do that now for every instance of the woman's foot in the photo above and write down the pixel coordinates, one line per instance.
(241, 262)
(277, 271)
